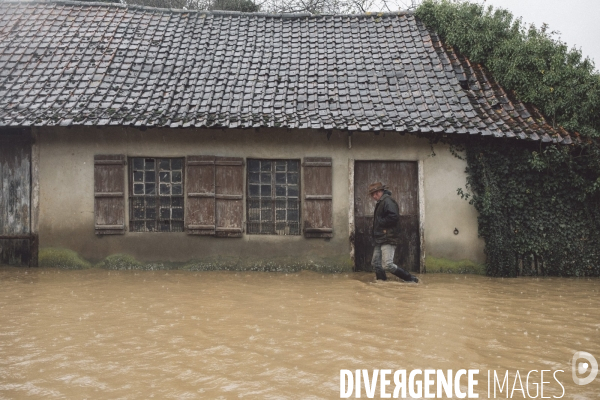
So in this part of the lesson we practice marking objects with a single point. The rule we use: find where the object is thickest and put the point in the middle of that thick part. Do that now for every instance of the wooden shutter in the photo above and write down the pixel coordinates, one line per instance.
(229, 194)
(200, 189)
(109, 194)
(318, 208)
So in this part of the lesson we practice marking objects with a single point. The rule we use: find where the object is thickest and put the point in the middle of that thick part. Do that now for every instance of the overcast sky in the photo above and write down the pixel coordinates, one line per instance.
(578, 21)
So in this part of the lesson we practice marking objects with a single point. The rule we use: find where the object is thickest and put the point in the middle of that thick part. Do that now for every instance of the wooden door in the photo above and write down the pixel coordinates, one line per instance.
(401, 178)
(16, 241)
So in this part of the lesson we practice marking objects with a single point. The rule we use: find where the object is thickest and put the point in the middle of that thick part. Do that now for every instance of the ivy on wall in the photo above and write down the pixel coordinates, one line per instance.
(539, 210)
(539, 204)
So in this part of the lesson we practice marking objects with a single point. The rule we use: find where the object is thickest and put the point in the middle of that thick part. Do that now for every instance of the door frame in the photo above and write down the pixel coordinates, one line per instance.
(421, 202)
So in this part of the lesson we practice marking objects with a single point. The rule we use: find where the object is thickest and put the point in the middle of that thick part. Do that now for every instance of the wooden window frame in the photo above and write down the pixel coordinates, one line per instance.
(132, 196)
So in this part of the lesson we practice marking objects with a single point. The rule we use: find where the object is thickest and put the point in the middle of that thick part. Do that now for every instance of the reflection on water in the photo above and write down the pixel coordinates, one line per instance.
(175, 334)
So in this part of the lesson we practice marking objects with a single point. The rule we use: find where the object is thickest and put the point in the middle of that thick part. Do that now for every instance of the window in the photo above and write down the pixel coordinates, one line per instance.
(156, 195)
(273, 197)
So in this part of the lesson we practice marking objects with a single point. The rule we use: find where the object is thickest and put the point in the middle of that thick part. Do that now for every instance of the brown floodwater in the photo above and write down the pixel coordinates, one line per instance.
(222, 335)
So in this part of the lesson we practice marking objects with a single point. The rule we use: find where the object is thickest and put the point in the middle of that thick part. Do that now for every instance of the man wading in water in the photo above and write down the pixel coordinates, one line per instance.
(386, 232)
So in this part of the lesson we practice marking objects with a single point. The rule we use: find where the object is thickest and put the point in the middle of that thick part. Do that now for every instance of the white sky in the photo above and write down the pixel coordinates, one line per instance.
(578, 21)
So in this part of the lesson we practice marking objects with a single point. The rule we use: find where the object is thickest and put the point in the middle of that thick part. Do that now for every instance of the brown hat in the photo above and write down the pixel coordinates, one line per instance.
(373, 187)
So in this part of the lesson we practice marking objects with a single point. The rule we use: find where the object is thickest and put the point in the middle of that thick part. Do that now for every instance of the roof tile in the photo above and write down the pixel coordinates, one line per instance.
(100, 64)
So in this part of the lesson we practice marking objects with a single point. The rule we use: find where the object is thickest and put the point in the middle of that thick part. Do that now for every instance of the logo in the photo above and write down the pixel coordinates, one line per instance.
(580, 368)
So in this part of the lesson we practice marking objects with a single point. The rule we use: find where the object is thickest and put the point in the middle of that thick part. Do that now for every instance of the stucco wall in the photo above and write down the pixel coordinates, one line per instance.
(66, 173)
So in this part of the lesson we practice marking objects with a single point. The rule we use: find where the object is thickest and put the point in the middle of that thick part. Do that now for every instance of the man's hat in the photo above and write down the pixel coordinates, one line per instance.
(373, 187)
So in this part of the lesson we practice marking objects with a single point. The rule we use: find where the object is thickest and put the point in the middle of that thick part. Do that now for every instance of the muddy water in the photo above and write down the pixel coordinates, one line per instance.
(175, 334)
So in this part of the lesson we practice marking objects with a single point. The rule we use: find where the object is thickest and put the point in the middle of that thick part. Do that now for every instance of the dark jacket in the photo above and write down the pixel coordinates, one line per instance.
(386, 229)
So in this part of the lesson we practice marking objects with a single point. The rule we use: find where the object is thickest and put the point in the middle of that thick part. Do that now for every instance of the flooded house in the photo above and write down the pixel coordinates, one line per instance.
(236, 140)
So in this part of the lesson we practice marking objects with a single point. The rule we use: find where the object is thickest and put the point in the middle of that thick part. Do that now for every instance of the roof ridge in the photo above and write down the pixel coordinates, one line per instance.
(209, 12)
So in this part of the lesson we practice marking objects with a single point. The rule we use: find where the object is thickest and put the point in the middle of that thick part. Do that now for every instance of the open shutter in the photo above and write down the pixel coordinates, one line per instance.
(318, 209)
(200, 189)
(109, 194)
(229, 194)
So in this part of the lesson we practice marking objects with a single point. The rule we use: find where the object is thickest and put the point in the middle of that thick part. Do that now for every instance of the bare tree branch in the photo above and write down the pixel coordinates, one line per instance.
(285, 6)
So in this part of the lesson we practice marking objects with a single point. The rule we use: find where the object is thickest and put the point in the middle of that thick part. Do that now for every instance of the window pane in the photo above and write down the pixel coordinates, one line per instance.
(253, 165)
(265, 166)
(138, 176)
(280, 178)
(267, 228)
(177, 201)
(254, 214)
(176, 163)
(266, 204)
(165, 213)
(292, 215)
(165, 226)
(138, 188)
(267, 215)
(254, 177)
(165, 202)
(165, 164)
(150, 226)
(165, 176)
(265, 178)
(150, 201)
(176, 226)
(176, 176)
(293, 190)
(165, 189)
(149, 163)
(138, 213)
(254, 190)
(280, 165)
(151, 213)
(138, 163)
(177, 213)
(292, 178)
(280, 191)
(265, 190)
(176, 189)
(150, 188)
(280, 204)
(150, 176)
(280, 214)
(293, 166)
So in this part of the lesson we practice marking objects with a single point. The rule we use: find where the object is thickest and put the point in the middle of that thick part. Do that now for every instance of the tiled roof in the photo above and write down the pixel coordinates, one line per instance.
(71, 63)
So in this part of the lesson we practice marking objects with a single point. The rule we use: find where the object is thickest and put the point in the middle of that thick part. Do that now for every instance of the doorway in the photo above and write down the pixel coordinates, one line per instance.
(16, 241)
(401, 178)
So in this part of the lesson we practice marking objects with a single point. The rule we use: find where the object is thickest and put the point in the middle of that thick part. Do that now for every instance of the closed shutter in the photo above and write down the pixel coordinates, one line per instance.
(318, 199)
(200, 189)
(109, 194)
(229, 195)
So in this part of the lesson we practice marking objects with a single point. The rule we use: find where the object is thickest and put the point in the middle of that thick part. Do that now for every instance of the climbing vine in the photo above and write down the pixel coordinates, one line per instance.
(539, 208)
(538, 204)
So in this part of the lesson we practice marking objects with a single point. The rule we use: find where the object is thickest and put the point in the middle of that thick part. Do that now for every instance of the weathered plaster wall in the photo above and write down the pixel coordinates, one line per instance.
(443, 174)
(67, 202)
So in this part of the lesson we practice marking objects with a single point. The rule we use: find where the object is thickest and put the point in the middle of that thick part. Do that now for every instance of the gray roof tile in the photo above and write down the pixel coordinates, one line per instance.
(69, 63)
